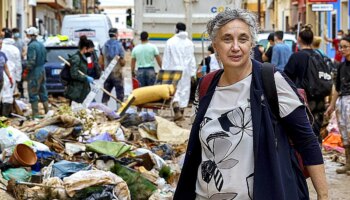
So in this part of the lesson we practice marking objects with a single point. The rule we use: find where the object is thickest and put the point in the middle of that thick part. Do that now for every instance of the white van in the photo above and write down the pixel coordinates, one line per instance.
(94, 26)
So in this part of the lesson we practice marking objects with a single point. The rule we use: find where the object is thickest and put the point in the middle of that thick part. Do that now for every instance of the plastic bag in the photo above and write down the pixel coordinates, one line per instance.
(85, 179)
(66, 168)
(19, 174)
(10, 137)
(110, 113)
(101, 137)
(114, 149)
(159, 162)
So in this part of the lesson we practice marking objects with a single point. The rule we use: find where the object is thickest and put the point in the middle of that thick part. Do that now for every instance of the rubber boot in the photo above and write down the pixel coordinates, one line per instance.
(46, 106)
(177, 111)
(6, 109)
(35, 110)
(346, 168)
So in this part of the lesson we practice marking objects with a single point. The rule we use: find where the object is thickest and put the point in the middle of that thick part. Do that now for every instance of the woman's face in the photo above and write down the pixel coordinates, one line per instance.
(233, 44)
(344, 48)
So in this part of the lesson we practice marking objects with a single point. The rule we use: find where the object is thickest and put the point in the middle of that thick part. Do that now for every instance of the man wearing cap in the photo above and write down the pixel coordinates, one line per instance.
(143, 55)
(179, 55)
(36, 56)
(110, 50)
(15, 67)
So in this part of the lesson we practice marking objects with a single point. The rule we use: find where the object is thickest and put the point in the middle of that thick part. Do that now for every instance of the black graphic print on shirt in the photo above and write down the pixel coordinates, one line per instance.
(220, 145)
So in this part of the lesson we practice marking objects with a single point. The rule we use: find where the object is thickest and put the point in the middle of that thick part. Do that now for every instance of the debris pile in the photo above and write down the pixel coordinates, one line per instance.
(90, 154)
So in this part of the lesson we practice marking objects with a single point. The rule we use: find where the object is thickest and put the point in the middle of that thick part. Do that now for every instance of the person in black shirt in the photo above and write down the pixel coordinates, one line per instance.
(296, 69)
(268, 54)
(341, 101)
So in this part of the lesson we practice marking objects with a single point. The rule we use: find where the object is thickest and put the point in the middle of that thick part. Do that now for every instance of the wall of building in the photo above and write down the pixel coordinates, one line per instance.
(282, 19)
(49, 20)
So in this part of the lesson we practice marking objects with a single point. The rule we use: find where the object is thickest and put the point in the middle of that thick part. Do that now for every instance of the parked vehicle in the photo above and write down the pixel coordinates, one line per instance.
(54, 65)
(288, 38)
(94, 26)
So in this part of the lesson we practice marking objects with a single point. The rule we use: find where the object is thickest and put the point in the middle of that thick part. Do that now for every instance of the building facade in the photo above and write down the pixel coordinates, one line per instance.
(116, 10)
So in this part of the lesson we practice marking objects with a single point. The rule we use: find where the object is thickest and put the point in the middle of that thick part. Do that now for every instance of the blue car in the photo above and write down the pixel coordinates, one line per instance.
(54, 65)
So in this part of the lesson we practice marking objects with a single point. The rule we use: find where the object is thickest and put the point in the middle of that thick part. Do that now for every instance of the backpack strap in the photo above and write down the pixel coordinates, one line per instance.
(205, 83)
(269, 85)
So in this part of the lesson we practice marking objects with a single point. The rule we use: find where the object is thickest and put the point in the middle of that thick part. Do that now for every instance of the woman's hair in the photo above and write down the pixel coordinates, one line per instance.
(229, 15)
(346, 38)
(91, 44)
(84, 42)
(316, 42)
(306, 35)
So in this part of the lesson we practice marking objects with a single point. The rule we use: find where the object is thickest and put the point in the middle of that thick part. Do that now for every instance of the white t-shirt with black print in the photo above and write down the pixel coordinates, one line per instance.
(226, 136)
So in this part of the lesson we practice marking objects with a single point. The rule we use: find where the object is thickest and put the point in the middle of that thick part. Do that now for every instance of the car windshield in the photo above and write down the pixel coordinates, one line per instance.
(53, 53)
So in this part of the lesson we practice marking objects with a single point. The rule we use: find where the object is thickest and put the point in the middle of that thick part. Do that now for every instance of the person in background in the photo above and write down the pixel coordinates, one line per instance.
(143, 55)
(335, 42)
(15, 67)
(316, 45)
(20, 44)
(257, 52)
(266, 57)
(281, 51)
(4, 68)
(110, 50)
(36, 78)
(211, 63)
(341, 102)
(79, 87)
(179, 55)
(236, 148)
(296, 70)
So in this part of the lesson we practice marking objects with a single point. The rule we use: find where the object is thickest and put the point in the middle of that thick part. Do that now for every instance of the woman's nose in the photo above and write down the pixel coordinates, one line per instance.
(235, 46)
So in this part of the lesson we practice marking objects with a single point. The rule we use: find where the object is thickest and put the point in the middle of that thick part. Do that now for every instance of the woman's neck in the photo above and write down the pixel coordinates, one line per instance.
(234, 75)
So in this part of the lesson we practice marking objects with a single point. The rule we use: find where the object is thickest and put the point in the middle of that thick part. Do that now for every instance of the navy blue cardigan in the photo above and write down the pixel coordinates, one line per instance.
(277, 175)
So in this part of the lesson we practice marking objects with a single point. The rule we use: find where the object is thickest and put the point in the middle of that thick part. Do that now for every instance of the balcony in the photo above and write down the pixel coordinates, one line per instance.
(55, 4)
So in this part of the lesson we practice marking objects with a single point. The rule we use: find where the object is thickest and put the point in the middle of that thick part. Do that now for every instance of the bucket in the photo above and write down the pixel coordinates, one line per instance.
(23, 156)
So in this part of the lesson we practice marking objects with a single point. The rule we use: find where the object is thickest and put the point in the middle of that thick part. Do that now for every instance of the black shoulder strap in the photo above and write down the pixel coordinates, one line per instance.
(269, 85)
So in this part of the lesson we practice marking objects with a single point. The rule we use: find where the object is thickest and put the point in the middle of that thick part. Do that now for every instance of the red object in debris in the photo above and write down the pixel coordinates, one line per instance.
(135, 83)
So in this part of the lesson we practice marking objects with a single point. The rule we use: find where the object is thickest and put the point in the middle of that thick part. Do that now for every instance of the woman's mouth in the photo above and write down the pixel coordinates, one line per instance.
(235, 58)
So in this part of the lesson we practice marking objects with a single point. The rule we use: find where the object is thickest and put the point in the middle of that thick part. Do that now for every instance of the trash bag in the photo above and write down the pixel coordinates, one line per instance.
(95, 193)
(85, 179)
(114, 149)
(44, 159)
(140, 188)
(65, 168)
(130, 119)
(19, 174)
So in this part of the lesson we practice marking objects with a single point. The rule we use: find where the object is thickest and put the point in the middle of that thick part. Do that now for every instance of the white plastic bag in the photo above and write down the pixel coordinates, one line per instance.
(10, 137)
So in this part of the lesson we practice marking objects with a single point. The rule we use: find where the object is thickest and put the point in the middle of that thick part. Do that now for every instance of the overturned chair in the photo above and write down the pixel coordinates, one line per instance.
(158, 96)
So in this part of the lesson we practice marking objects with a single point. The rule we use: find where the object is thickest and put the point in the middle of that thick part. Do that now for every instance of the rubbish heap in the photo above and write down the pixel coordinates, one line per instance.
(90, 154)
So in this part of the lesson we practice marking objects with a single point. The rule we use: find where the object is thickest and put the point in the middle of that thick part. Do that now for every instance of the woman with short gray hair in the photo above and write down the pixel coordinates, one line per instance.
(238, 149)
